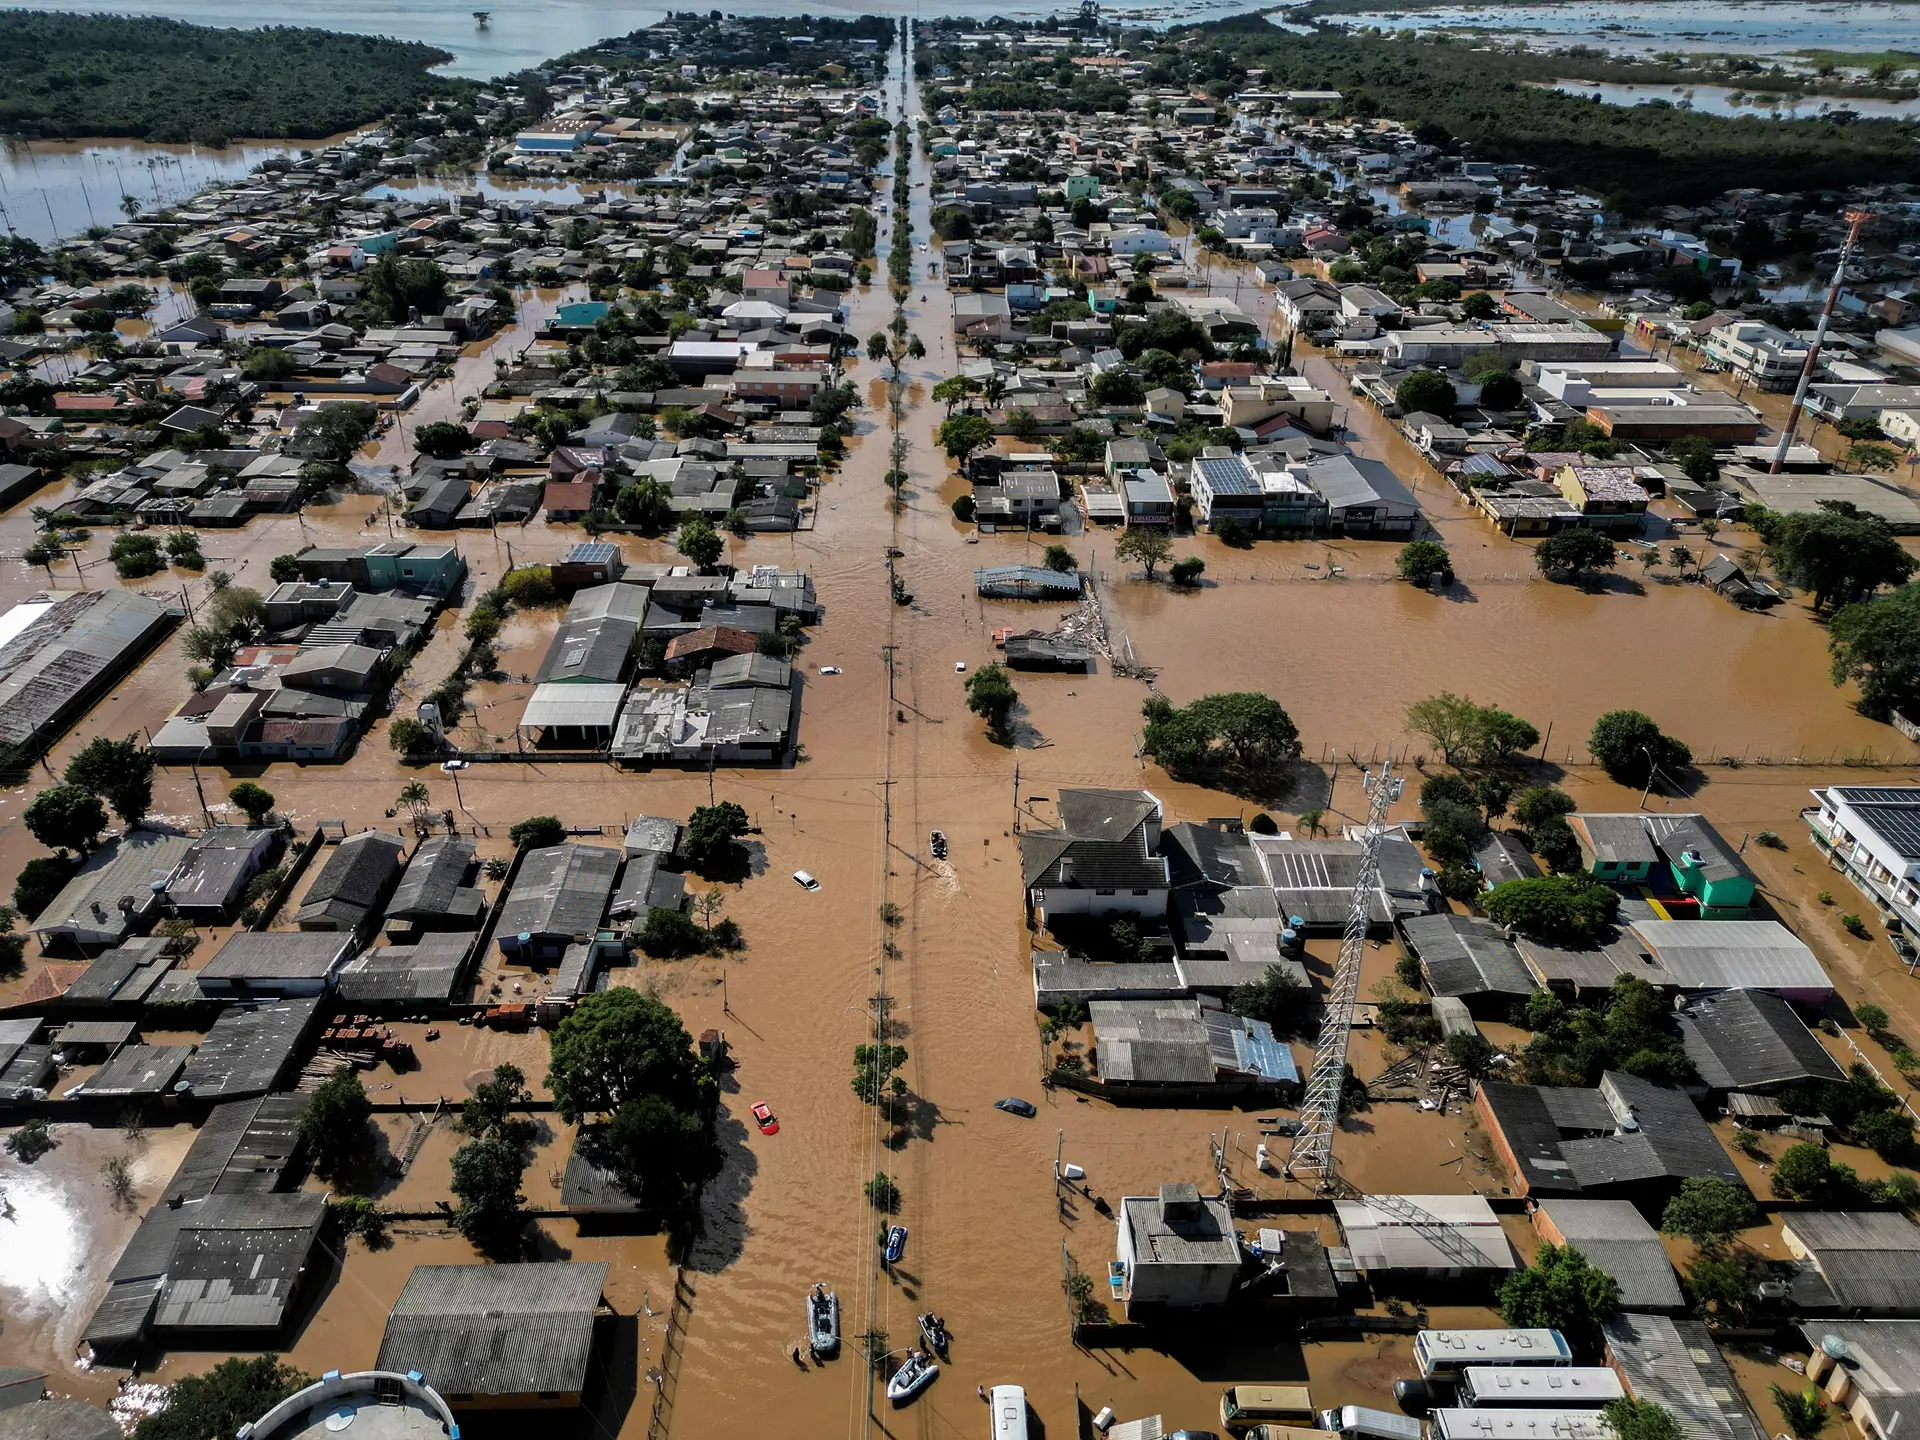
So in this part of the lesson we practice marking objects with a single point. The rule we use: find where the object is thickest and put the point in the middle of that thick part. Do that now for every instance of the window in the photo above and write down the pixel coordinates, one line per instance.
(1103, 892)
(1140, 892)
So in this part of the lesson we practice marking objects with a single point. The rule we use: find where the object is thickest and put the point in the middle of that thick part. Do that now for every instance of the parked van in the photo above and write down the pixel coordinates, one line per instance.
(1443, 1354)
(1284, 1432)
(1571, 1387)
(1244, 1406)
(1007, 1407)
(1521, 1425)
(1357, 1422)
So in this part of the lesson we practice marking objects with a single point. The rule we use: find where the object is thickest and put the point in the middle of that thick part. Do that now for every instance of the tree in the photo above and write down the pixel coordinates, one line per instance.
(443, 440)
(1446, 719)
(333, 1125)
(1539, 804)
(334, 432)
(668, 934)
(1278, 997)
(1642, 1420)
(1803, 1410)
(874, 1068)
(119, 772)
(414, 797)
(1471, 1051)
(1807, 1172)
(1888, 1133)
(1561, 1291)
(1709, 1211)
(529, 586)
(645, 506)
(33, 1139)
(408, 736)
(1876, 644)
(1479, 306)
(991, 695)
(537, 832)
(66, 817)
(396, 288)
(41, 880)
(1572, 553)
(233, 1394)
(961, 435)
(616, 1046)
(1116, 387)
(1838, 551)
(1501, 390)
(1570, 909)
(1866, 455)
(1426, 391)
(255, 800)
(1721, 1284)
(1186, 573)
(1495, 736)
(656, 1148)
(1420, 560)
(1242, 733)
(712, 831)
(486, 1182)
(1145, 546)
(497, 1109)
(1630, 747)
(1060, 559)
(954, 390)
(699, 542)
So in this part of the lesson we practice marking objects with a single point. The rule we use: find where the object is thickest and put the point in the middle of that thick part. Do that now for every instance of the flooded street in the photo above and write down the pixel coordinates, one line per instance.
(891, 754)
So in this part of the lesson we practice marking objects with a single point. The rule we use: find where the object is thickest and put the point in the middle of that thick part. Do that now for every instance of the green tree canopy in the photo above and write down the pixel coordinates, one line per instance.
(1277, 997)
(119, 772)
(1573, 553)
(234, 1393)
(443, 439)
(1420, 560)
(1428, 391)
(657, 1148)
(961, 435)
(1642, 1420)
(712, 832)
(1145, 545)
(256, 801)
(1838, 551)
(991, 695)
(537, 832)
(333, 1125)
(1561, 1291)
(1567, 909)
(1240, 734)
(1629, 747)
(618, 1045)
(66, 817)
(699, 542)
(1709, 1211)
(486, 1182)
(1876, 644)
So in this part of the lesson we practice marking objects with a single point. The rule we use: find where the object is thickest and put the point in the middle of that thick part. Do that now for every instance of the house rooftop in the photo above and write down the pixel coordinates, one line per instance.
(496, 1330)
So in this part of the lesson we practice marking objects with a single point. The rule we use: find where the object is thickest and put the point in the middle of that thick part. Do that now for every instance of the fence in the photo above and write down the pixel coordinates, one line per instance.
(665, 1376)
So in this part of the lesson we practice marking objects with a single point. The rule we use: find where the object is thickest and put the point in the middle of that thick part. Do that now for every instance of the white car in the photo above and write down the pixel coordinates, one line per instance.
(805, 881)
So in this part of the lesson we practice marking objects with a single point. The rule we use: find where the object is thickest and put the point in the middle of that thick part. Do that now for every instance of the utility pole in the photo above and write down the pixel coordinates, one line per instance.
(1855, 220)
(1016, 797)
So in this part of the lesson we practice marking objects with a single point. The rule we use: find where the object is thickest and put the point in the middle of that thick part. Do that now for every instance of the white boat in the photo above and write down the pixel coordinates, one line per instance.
(911, 1378)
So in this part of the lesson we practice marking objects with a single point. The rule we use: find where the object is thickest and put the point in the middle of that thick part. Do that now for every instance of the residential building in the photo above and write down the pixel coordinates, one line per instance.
(1225, 489)
(1675, 1364)
(1616, 1238)
(112, 897)
(1767, 355)
(1751, 1041)
(499, 1336)
(1871, 834)
(1363, 497)
(1102, 859)
(557, 900)
(1177, 1250)
(1630, 1138)
(1868, 1261)
(353, 884)
(274, 963)
(434, 893)
(1470, 959)
(1162, 1045)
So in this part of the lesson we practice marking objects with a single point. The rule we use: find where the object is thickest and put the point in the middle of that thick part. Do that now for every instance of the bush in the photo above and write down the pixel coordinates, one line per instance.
(537, 832)
(410, 737)
(529, 586)
(1428, 391)
(1873, 1018)
(1186, 573)
(668, 934)
(32, 1140)
(1629, 746)
(1420, 560)
(135, 556)
(39, 881)
(234, 1393)
(882, 1192)
(1564, 909)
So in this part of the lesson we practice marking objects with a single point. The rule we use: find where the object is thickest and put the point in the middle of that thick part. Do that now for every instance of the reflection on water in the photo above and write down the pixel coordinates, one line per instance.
(54, 190)
(1636, 28)
(1719, 100)
(44, 1221)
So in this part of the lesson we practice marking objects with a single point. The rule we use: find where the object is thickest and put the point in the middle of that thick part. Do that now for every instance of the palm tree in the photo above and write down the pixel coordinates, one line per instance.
(1310, 821)
(992, 390)
(414, 796)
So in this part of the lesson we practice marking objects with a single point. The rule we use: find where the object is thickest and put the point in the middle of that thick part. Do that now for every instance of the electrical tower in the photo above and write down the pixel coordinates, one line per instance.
(1855, 220)
(1320, 1110)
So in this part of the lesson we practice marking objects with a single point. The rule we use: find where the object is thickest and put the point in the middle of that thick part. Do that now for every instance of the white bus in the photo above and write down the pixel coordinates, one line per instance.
(1532, 1387)
(1443, 1354)
(1520, 1425)
(1357, 1422)
(1007, 1405)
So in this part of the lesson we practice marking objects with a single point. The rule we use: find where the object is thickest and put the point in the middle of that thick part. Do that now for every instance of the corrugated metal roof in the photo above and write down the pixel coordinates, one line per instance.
(560, 890)
(1382, 1240)
(496, 1329)
(1732, 955)
(580, 705)
(1676, 1364)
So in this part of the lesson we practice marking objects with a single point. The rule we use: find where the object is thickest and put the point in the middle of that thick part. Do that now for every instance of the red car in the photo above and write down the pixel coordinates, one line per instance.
(768, 1125)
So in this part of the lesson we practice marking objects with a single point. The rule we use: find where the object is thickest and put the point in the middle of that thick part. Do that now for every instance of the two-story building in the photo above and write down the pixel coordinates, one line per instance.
(1102, 859)
(1871, 833)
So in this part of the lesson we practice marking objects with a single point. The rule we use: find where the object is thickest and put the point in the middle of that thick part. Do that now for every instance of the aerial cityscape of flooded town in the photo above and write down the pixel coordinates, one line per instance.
(955, 725)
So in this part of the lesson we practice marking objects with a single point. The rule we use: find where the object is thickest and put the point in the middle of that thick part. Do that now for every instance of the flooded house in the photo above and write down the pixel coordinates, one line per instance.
(353, 885)
(1176, 1249)
(1617, 1238)
(499, 1336)
(557, 900)
(117, 894)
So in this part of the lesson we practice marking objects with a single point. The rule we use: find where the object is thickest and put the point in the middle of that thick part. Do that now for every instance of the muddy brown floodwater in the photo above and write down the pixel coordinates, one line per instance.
(887, 761)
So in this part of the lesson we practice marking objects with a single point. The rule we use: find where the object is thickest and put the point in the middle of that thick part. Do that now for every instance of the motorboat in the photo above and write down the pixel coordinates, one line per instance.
(934, 1331)
(911, 1378)
(937, 842)
(823, 1321)
(896, 1242)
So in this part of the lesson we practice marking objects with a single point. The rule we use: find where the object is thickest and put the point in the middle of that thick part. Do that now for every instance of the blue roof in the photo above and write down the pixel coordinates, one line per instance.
(1261, 1053)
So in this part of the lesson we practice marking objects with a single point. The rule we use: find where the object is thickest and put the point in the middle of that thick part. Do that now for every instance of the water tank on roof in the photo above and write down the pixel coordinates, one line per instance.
(1835, 1348)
